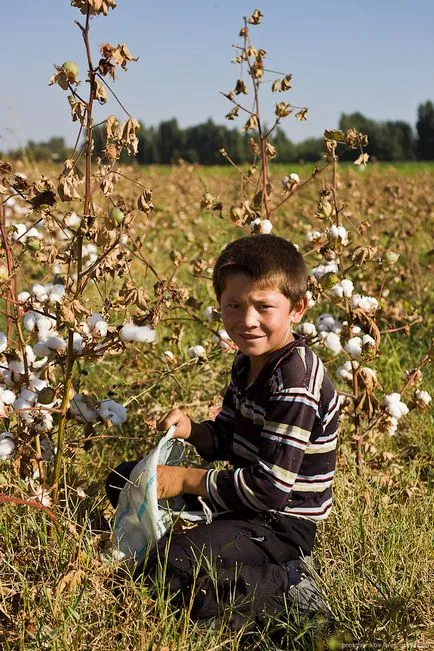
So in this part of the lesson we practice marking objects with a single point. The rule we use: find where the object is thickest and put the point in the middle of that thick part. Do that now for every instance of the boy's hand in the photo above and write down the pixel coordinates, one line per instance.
(174, 480)
(178, 418)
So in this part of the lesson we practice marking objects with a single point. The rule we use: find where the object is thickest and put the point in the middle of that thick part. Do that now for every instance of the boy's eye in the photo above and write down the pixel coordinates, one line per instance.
(265, 307)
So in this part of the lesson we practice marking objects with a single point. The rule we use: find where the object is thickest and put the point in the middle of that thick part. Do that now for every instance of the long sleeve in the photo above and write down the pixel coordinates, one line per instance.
(285, 444)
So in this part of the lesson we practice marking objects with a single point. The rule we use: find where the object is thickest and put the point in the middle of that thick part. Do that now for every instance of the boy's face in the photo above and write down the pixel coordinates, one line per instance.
(259, 320)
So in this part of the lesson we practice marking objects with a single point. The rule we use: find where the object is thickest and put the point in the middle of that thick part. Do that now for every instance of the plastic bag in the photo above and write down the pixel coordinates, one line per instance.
(141, 519)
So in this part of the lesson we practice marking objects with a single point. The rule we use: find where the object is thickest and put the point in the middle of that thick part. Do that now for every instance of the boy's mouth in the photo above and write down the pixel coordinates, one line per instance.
(247, 337)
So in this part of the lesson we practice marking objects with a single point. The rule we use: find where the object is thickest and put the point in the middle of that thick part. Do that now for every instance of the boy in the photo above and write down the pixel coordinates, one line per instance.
(278, 429)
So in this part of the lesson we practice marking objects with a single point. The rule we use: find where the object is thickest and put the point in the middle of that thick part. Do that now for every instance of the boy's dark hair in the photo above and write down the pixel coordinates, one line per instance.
(269, 260)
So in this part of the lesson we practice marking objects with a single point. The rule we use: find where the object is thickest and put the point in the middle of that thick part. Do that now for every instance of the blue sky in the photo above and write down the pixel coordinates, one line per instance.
(375, 56)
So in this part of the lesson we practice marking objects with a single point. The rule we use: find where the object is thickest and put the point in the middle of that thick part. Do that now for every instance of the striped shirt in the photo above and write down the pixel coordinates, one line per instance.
(279, 433)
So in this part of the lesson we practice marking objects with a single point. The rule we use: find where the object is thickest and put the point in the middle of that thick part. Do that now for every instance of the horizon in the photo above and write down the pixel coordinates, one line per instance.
(184, 63)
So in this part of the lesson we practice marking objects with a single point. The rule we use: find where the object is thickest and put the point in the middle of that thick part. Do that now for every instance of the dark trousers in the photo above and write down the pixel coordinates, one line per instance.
(233, 567)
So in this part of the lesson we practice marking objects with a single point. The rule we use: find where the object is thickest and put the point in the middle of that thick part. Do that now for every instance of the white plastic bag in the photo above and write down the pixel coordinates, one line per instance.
(141, 520)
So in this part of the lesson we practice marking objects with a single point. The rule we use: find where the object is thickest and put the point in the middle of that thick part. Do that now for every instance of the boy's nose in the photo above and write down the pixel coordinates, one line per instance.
(250, 318)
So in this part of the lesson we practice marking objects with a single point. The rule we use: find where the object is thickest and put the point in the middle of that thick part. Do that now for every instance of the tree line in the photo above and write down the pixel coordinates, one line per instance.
(168, 142)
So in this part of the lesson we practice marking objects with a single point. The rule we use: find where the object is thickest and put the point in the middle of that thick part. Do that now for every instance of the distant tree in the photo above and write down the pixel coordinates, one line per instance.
(310, 150)
(425, 131)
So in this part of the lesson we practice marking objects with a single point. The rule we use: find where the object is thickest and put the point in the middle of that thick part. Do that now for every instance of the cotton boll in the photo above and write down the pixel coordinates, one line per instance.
(141, 334)
(77, 343)
(266, 226)
(313, 236)
(112, 411)
(30, 355)
(332, 341)
(27, 395)
(23, 297)
(56, 344)
(367, 340)
(40, 293)
(36, 384)
(222, 339)
(345, 372)
(56, 294)
(354, 347)
(97, 324)
(338, 233)
(394, 406)
(196, 351)
(422, 397)
(29, 321)
(310, 299)
(324, 269)
(44, 326)
(3, 342)
(327, 323)
(43, 421)
(347, 287)
(392, 426)
(8, 446)
(337, 291)
(307, 329)
(41, 349)
(83, 408)
(16, 366)
(368, 304)
(7, 397)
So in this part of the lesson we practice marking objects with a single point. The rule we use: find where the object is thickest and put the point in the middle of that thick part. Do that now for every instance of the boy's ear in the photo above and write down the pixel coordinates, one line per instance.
(298, 310)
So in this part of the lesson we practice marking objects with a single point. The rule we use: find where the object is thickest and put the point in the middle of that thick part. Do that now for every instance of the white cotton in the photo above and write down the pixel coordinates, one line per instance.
(332, 341)
(266, 226)
(421, 396)
(392, 426)
(354, 347)
(347, 287)
(338, 233)
(196, 351)
(343, 288)
(222, 338)
(3, 342)
(367, 340)
(310, 299)
(294, 177)
(209, 313)
(44, 325)
(368, 304)
(77, 342)
(82, 408)
(29, 321)
(41, 349)
(394, 406)
(169, 355)
(7, 397)
(97, 324)
(345, 372)
(8, 447)
(140, 334)
(56, 344)
(313, 236)
(56, 293)
(327, 323)
(36, 384)
(30, 355)
(20, 229)
(2, 410)
(337, 291)
(43, 421)
(369, 371)
(307, 329)
(20, 403)
(112, 411)
(324, 269)
(27, 395)
(40, 292)
(16, 366)
(23, 297)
